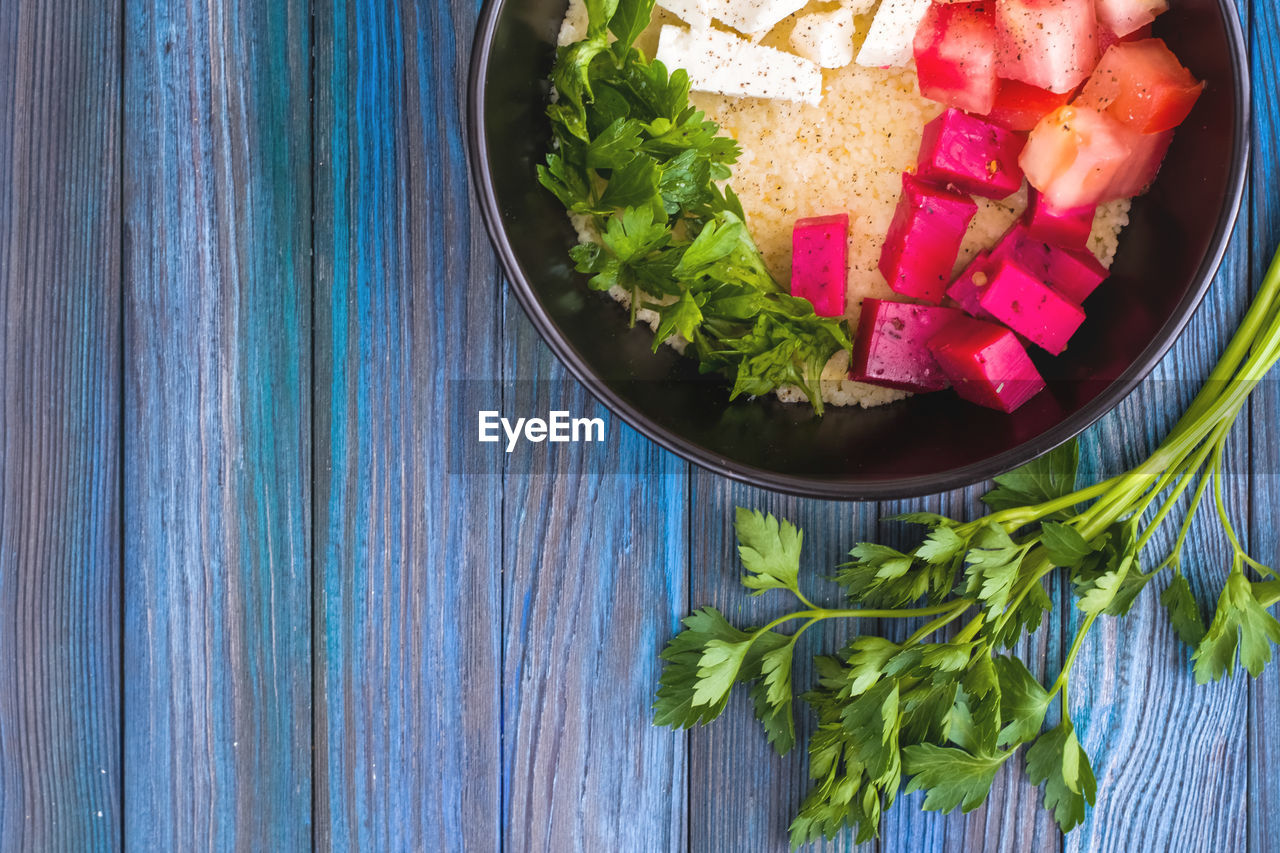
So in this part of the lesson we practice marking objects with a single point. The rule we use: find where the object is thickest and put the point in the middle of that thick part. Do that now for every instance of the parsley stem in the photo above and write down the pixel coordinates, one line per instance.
(939, 623)
(817, 614)
(1076, 644)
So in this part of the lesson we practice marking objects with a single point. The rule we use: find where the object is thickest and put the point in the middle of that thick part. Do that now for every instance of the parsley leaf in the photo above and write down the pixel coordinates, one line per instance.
(770, 551)
(1058, 760)
(1184, 612)
(1023, 702)
(1240, 622)
(685, 696)
(951, 777)
(1051, 476)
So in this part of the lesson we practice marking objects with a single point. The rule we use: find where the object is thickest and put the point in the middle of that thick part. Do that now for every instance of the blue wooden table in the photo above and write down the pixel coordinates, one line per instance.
(254, 596)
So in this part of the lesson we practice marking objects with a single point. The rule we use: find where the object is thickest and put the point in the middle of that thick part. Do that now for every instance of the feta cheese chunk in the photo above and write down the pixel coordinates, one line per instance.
(754, 17)
(695, 13)
(825, 37)
(724, 64)
(892, 33)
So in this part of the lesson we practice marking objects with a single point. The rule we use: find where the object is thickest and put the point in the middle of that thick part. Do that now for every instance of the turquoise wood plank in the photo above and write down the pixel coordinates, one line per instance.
(742, 795)
(217, 468)
(407, 622)
(60, 426)
(1012, 819)
(1169, 755)
(1264, 489)
(595, 577)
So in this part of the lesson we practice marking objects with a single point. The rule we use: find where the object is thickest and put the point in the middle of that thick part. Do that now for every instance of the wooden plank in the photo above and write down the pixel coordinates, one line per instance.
(1012, 819)
(407, 649)
(217, 446)
(60, 426)
(1264, 538)
(595, 573)
(742, 795)
(1169, 756)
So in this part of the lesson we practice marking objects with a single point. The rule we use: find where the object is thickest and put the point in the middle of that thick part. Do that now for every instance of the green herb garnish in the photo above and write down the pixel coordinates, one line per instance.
(945, 710)
(631, 154)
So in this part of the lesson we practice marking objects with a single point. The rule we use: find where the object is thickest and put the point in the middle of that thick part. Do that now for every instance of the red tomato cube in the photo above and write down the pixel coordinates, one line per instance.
(1052, 44)
(1123, 17)
(1076, 156)
(1143, 85)
(1020, 107)
(955, 51)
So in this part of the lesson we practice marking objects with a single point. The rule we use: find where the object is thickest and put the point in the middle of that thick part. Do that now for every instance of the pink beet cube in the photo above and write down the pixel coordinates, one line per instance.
(924, 239)
(966, 291)
(1028, 306)
(972, 155)
(892, 345)
(820, 263)
(986, 364)
(1069, 229)
(1074, 274)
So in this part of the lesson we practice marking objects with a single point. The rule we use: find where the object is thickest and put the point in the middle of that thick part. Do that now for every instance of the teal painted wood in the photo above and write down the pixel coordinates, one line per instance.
(408, 548)
(1264, 482)
(59, 426)
(1170, 756)
(217, 472)
(742, 795)
(595, 580)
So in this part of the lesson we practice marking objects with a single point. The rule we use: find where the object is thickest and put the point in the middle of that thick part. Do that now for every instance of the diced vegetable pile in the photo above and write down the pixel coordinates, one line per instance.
(1076, 97)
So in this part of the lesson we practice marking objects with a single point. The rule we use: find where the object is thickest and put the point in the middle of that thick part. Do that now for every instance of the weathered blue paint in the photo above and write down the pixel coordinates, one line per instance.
(478, 644)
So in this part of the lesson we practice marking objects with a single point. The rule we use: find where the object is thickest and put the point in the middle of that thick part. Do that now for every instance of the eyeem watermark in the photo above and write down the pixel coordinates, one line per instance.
(557, 427)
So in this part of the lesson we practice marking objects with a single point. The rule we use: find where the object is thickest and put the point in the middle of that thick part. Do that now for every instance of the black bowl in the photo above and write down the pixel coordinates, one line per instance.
(1168, 255)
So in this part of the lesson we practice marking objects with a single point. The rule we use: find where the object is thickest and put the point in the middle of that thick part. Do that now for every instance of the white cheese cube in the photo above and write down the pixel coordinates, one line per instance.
(825, 37)
(754, 17)
(725, 64)
(695, 13)
(892, 33)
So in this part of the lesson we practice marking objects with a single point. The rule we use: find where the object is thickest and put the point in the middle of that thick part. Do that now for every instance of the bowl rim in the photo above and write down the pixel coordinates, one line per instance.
(873, 489)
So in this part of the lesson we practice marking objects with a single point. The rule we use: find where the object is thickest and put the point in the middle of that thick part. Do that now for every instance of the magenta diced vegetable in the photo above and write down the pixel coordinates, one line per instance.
(892, 345)
(971, 154)
(966, 290)
(820, 263)
(1074, 274)
(924, 239)
(1028, 306)
(986, 364)
(1069, 229)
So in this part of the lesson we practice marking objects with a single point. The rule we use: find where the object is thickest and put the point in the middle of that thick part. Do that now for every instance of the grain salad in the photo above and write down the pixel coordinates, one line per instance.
(846, 153)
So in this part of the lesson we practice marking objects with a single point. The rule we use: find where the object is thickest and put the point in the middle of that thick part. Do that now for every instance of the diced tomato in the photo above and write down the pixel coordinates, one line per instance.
(1142, 84)
(1123, 17)
(1149, 150)
(1020, 107)
(1052, 44)
(1075, 156)
(955, 50)
(1106, 38)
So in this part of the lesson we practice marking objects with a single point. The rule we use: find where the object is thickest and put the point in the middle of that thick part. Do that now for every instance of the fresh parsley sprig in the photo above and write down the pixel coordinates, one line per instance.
(648, 170)
(947, 707)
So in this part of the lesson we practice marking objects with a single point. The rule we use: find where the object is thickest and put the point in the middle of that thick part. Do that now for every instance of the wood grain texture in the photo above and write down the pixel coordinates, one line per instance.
(59, 426)
(407, 599)
(742, 795)
(1264, 486)
(1170, 757)
(595, 543)
(217, 448)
